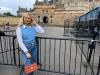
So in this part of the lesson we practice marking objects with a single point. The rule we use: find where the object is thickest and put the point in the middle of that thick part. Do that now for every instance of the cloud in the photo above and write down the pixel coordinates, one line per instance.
(12, 5)
(5, 9)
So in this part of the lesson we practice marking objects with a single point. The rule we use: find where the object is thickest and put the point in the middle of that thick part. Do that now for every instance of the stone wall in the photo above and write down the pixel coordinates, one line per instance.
(55, 17)
(11, 20)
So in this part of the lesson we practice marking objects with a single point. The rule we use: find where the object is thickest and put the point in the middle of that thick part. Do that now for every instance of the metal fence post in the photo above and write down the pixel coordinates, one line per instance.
(14, 54)
(98, 70)
(91, 47)
(37, 42)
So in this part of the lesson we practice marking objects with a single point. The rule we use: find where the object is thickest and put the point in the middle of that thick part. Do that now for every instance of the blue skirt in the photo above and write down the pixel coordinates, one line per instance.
(32, 48)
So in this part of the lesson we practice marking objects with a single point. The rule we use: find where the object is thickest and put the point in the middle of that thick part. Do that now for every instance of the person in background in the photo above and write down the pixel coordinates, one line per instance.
(94, 33)
(26, 33)
(7, 27)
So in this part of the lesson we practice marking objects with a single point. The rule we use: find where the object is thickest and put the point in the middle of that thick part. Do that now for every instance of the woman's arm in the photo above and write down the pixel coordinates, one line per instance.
(20, 41)
(39, 29)
(21, 44)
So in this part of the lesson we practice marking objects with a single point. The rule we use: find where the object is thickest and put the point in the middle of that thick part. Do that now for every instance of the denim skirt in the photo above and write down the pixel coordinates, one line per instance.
(32, 48)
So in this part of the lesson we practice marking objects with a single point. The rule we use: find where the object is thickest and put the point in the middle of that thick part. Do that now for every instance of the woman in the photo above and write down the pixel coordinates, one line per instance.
(26, 32)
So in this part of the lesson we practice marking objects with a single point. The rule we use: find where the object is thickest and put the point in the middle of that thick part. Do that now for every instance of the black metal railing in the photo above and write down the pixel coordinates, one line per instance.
(66, 56)
(98, 69)
(10, 32)
(7, 50)
(57, 55)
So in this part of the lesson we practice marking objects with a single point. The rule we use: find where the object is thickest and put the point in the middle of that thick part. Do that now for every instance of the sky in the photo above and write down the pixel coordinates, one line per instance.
(12, 5)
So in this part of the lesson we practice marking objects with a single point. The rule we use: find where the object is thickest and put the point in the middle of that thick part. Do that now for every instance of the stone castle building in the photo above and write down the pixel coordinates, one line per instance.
(56, 12)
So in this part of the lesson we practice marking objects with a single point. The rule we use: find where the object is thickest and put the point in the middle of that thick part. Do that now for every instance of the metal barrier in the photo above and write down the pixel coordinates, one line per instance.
(98, 70)
(57, 55)
(10, 32)
(66, 56)
(7, 50)
(68, 25)
(90, 50)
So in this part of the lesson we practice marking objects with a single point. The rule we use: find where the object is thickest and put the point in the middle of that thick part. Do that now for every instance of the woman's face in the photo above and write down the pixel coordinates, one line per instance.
(27, 19)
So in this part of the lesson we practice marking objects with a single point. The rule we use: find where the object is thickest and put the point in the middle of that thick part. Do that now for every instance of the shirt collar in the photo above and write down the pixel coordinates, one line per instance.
(25, 26)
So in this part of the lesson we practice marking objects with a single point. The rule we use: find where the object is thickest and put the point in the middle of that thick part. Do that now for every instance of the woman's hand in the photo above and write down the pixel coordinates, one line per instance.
(28, 55)
(33, 21)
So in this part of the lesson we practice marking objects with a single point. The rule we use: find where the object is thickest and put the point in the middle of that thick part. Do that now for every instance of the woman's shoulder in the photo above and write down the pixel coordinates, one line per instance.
(18, 29)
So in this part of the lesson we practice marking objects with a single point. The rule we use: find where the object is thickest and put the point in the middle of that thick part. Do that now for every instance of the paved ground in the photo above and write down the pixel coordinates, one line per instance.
(12, 70)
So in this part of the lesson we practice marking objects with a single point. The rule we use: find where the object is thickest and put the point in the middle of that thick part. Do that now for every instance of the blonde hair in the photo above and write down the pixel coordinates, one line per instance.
(21, 19)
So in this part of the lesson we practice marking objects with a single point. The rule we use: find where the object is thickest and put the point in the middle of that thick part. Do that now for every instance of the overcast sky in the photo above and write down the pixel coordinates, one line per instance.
(12, 5)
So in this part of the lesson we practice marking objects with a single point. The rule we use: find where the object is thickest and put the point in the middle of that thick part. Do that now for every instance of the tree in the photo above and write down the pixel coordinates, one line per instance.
(8, 14)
